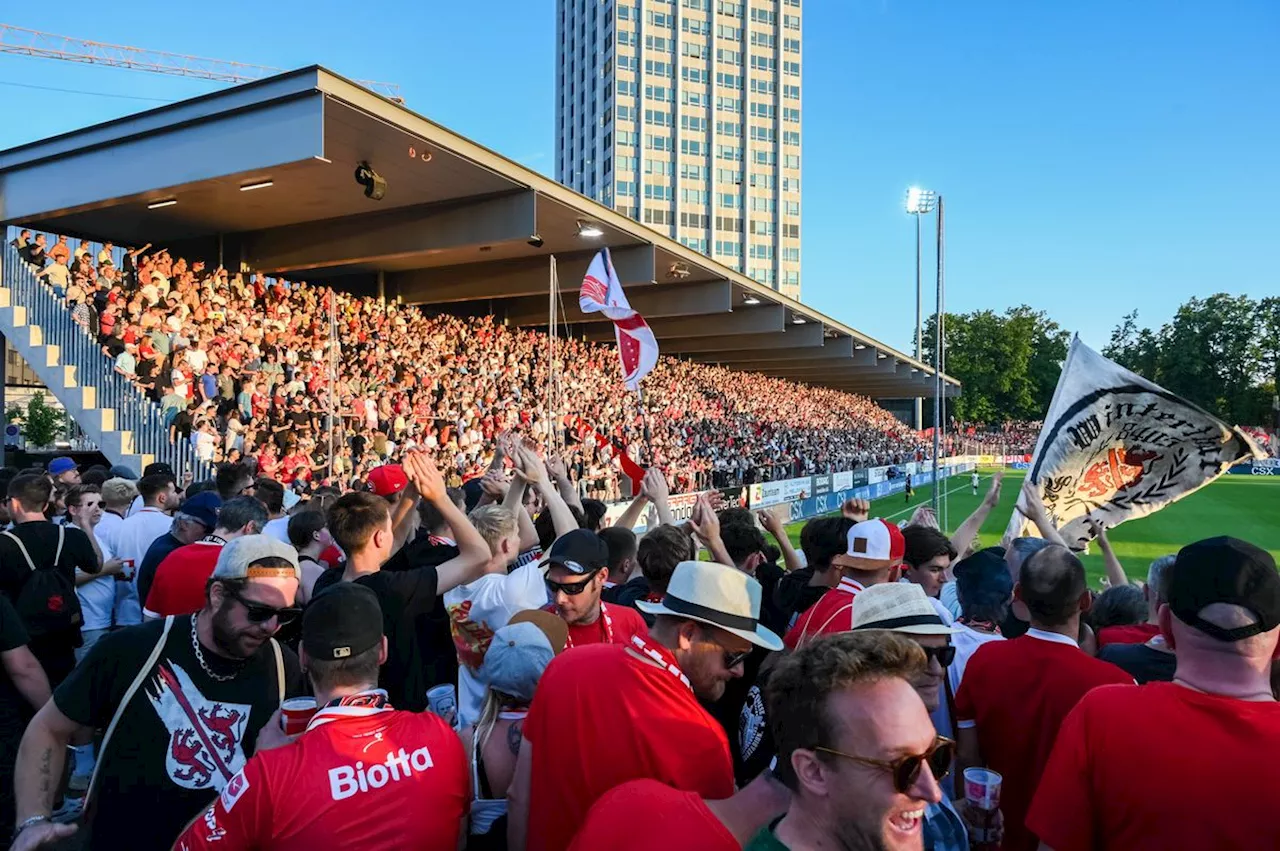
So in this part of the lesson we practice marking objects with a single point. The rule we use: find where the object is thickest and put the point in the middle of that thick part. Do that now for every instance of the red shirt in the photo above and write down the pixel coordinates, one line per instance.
(1172, 779)
(644, 815)
(623, 622)
(832, 613)
(1135, 634)
(178, 588)
(1017, 693)
(656, 729)
(362, 778)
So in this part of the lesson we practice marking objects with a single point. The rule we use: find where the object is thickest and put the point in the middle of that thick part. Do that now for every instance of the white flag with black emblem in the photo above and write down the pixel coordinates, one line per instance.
(1115, 446)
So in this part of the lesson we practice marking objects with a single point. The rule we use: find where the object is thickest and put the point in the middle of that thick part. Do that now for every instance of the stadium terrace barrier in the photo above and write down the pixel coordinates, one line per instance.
(811, 496)
(126, 425)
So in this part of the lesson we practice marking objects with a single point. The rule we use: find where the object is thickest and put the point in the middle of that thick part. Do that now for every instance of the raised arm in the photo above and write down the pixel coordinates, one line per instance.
(969, 528)
(556, 469)
(706, 526)
(473, 551)
(771, 520)
(1036, 513)
(513, 501)
(531, 469)
(1115, 570)
(654, 486)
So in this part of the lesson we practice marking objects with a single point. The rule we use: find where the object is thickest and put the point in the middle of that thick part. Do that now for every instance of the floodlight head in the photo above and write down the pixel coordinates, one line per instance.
(921, 200)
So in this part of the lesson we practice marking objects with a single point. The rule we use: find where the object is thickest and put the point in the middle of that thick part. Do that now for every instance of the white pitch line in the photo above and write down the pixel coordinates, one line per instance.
(917, 505)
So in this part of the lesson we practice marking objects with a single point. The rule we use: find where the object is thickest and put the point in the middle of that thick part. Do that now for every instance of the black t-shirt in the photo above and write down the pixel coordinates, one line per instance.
(182, 422)
(750, 742)
(1145, 664)
(56, 652)
(404, 596)
(182, 736)
(435, 637)
(15, 712)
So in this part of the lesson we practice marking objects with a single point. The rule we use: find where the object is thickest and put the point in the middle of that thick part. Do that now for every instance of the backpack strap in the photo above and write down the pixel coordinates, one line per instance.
(275, 648)
(62, 538)
(128, 696)
(22, 548)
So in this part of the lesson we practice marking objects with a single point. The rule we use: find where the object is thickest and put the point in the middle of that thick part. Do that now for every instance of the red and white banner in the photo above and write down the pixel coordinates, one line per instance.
(602, 293)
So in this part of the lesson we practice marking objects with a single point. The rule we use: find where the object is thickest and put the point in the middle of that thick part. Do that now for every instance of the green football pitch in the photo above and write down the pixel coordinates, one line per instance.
(1245, 507)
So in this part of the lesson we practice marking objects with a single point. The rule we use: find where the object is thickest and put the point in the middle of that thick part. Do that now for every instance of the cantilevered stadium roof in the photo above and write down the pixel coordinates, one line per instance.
(460, 228)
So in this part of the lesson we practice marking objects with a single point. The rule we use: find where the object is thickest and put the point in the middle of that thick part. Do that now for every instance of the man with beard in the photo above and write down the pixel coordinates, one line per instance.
(855, 745)
(182, 700)
(577, 569)
(704, 628)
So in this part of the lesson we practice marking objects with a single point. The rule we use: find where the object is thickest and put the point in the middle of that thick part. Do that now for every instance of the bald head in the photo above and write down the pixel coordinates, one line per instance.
(1051, 583)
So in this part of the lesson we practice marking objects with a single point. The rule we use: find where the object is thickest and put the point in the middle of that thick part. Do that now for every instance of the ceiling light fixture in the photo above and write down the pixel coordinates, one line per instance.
(261, 184)
(156, 205)
(750, 299)
(589, 230)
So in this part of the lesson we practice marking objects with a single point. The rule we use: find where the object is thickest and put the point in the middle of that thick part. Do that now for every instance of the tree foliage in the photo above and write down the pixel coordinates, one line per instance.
(41, 423)
(1221, 352)
(1008, 363)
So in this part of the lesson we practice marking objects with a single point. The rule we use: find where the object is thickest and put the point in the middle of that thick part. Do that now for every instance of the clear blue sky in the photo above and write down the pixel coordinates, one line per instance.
(1096, 156)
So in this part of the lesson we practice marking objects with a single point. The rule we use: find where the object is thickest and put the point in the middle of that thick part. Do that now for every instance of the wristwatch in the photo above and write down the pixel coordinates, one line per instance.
(28, 822)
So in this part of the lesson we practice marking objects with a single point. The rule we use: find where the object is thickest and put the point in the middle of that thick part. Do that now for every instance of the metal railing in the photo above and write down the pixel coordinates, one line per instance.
(134, 412)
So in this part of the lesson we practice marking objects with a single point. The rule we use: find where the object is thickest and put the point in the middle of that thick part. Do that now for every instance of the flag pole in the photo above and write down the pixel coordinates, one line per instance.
(552, 330)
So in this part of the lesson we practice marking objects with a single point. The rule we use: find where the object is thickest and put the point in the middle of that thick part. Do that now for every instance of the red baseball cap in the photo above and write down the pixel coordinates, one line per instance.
(388, 480)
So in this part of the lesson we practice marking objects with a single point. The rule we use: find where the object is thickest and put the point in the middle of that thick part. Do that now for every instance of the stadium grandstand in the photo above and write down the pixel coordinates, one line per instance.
(255, 254)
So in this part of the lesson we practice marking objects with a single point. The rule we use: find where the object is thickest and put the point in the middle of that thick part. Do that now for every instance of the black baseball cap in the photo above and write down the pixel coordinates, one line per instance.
(343, 620)
(158, 468)
(580, 551)
(1225, 570)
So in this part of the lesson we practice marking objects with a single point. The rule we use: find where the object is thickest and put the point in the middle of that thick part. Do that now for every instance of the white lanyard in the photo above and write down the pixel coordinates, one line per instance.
(608, 627)
(657, 656)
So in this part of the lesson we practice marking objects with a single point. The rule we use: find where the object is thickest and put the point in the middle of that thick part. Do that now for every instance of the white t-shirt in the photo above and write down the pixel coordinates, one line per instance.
(476, 612)
(278, 529)
(131, 540)
(974, 479)
(966, 642)
(97, 596)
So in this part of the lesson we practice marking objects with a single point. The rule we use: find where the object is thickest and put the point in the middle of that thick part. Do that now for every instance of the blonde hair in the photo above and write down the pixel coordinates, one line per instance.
(495, 524)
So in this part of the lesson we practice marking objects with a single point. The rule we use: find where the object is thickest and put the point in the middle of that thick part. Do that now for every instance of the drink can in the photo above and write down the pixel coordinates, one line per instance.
(296, 713)
(126, 572)
(443, 700)
(982, 792)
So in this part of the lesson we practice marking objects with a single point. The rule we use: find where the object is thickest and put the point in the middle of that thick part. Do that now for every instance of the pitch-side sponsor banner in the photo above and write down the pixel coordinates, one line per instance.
(766, 494)
(859, 479)
(822, 484)
(845, 481)
(1115, 447)
(876, 475)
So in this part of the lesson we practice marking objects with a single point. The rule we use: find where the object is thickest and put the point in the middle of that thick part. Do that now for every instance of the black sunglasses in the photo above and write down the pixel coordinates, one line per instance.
(732, 659)
(258, 613)
(573, 589)
(944, 655)
(906, 770)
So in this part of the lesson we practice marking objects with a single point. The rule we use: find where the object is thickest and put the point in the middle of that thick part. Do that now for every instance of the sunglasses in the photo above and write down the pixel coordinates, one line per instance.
(732, 658)
(906, 770)
(258, 613)
(573, 589)
(944, 655)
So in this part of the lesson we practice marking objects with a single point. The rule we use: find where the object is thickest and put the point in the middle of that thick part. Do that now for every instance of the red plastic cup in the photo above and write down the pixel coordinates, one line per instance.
(295, 714)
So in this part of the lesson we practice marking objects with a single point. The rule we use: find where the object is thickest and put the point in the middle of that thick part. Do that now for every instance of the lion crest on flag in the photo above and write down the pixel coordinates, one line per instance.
(1115, 446)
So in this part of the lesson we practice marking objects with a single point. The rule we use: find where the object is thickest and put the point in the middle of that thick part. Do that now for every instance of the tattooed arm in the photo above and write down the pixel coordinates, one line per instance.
(39, 771)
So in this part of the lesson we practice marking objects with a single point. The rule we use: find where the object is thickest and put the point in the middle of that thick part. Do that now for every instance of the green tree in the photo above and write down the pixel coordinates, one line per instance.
(41, 423)
(1221, 352)
(1008, 363)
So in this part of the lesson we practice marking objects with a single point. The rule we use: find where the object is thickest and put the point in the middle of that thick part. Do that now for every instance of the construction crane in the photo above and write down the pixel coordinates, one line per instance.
(25, 42)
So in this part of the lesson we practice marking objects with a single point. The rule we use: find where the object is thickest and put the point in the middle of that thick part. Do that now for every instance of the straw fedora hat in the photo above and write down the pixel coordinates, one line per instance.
(718, 595)
(898, 607)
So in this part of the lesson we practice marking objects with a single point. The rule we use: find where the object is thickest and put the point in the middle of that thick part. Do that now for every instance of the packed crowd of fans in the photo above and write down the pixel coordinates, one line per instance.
(1015, 437)
(415, 666)
(241, 367)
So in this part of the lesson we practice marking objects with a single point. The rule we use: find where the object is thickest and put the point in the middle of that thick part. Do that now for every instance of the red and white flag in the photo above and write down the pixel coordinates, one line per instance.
(602, 293)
